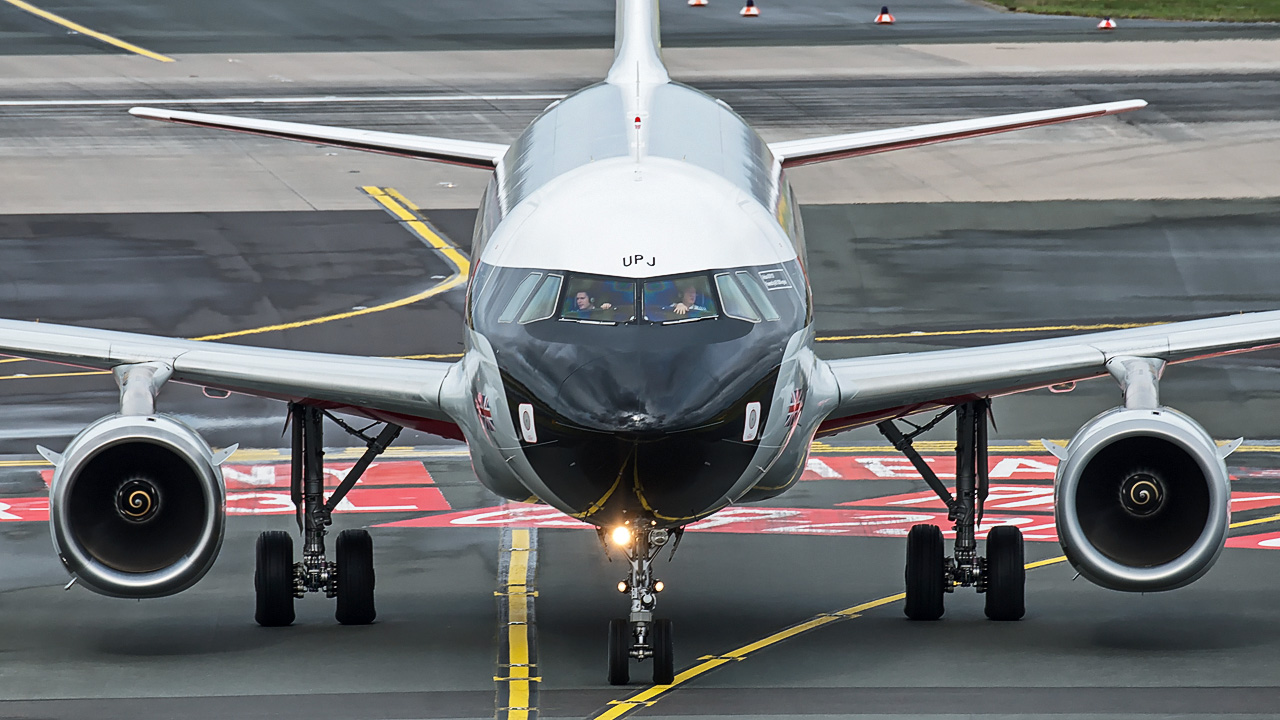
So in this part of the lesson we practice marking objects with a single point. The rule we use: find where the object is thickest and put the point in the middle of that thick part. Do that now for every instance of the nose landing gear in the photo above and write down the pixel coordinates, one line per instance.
(640, 636)
(929, 574)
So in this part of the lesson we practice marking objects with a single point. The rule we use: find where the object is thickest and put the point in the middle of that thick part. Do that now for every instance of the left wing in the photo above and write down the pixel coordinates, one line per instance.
(405, 392)
(835, 147)
(872, 389)
(422, 147)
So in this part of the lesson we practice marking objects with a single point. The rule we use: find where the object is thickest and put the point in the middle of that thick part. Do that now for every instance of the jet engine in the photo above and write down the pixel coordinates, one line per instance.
(1142, 499)
(137, 506)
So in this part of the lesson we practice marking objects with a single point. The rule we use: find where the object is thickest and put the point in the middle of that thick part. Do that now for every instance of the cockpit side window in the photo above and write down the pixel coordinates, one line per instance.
(735, 303)
(519, 298)
(758, 295)
(599, 300)
(679, 299)
(543, 304)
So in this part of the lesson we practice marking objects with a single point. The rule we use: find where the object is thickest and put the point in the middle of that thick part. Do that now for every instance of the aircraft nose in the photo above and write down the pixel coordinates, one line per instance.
(634, 394)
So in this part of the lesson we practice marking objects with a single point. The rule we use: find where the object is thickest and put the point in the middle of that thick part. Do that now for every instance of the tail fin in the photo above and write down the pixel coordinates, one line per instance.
(637, 44)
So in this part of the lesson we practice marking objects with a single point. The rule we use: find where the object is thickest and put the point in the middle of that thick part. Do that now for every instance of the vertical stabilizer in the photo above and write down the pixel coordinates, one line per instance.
(637, 45)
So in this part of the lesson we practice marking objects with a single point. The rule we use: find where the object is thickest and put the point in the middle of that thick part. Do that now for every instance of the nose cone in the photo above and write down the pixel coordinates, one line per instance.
(646, 393)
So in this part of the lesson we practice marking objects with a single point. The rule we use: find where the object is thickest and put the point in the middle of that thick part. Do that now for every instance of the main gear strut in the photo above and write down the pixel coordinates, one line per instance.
(929, 574)
(278, 580)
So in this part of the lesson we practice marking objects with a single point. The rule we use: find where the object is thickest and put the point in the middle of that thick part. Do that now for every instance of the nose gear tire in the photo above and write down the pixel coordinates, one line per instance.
(1006, 574)
(354, 555)
(273, 579)
(619, 652)
(925, 573)
(664, 661)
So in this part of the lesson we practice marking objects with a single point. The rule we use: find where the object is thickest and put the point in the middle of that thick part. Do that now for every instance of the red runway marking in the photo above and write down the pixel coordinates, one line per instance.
(744, 520)
(276, 475)
(876, 467)
(1029, 499)
(1265, 541)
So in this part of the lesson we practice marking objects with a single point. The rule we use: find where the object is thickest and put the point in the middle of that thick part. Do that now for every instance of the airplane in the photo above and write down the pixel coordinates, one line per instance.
(639, 355)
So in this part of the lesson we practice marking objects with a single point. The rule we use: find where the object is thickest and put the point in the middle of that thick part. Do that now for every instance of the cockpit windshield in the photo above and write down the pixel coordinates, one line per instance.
(755, 295)
(598, 300)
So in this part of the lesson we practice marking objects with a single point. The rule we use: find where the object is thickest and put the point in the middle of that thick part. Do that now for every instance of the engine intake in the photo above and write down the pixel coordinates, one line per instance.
(1142, 500)
(137, 506)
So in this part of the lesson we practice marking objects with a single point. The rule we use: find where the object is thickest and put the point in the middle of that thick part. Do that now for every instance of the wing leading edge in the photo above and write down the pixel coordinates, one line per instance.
(455, 152)
(874, 388)
(406, 392)
(792, 153)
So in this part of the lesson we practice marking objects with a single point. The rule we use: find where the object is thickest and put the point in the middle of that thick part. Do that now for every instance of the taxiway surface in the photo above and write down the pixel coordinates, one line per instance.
(300, 240)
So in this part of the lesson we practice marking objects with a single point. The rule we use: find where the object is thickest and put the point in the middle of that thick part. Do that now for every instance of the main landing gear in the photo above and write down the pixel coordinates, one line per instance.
(641, 636)
(929, 574)
(278, 579)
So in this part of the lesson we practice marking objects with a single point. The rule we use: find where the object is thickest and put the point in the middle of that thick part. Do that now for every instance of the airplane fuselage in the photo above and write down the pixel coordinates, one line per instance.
(639, 319)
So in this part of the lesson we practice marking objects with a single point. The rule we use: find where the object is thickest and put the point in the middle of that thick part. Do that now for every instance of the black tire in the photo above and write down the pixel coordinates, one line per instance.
(354, 555)
(1006, 574)
(619, 652)
(273, 579)
(664, 655)
(925, 573)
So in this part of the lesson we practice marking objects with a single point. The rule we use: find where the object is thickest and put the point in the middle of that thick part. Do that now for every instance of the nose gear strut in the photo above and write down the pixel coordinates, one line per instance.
(929, 574)
(640, 636)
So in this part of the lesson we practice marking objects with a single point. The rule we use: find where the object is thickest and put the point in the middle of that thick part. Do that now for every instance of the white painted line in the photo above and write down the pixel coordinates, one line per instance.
(298, 100)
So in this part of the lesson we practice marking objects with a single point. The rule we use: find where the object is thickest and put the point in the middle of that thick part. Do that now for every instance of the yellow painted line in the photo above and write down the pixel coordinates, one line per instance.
(430, 356)
(517, 698)
(34, 376)
(1257, 521)
(985, 331)
(70, 25)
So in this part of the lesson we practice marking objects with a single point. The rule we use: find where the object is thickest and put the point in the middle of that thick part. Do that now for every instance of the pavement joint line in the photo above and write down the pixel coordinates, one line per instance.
(77, 27)
(283, 100)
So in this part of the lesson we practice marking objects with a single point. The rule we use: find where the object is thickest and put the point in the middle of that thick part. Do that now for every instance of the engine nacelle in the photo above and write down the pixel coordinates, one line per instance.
(137, 506)
(1142, 500)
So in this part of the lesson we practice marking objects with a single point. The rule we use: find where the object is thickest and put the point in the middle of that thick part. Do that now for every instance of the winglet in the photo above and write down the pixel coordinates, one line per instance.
(1054, 449)
(1227, 448)
(53, 457)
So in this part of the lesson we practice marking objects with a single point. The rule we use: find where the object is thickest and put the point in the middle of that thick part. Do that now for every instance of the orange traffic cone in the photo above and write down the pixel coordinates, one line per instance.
(884, 18)
(750, 9)
(697, 3)
(1107, 24)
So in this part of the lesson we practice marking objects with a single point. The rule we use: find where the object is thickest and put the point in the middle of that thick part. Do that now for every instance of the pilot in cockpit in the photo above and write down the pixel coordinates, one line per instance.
(583, 302)
(688, 302)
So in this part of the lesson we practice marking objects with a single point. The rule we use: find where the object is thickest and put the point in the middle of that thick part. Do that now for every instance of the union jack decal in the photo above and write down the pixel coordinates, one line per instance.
(794, 408)
(482, 409)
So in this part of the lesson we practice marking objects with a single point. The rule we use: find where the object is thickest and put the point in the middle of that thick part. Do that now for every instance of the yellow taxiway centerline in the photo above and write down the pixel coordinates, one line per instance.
(77, 27)
(517, 691)
(985, 331)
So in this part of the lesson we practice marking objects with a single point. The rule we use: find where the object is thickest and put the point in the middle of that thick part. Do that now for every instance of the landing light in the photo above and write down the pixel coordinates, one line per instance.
(658, 586)
(622, 586)
(621, 536)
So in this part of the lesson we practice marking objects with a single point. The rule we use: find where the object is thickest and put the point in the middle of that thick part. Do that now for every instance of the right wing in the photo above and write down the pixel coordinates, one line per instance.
(835, 147)
(455, 152)
(871, 389)
(410, 393)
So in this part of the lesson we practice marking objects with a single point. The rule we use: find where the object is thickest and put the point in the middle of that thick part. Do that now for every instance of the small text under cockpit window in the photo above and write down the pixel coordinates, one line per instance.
(595, 300)
(679, 299)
